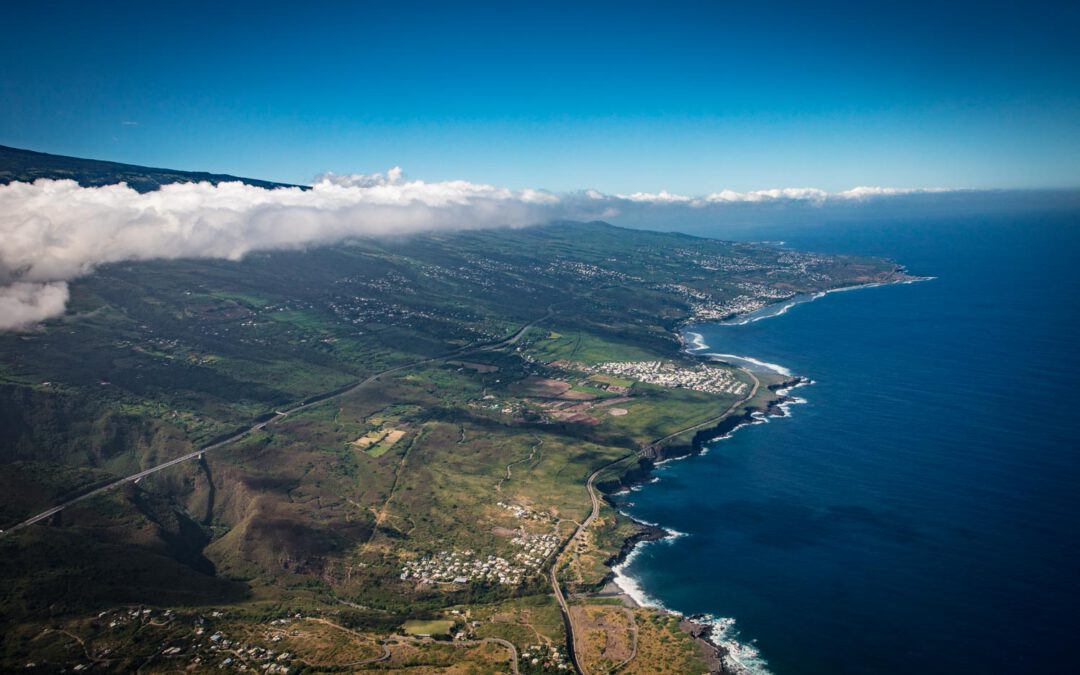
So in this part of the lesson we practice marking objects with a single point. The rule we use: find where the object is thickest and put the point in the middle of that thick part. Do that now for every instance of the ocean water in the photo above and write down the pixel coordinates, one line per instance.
(920, 512)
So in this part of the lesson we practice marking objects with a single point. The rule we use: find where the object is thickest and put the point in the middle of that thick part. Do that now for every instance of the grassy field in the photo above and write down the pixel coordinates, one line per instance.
(432, 627)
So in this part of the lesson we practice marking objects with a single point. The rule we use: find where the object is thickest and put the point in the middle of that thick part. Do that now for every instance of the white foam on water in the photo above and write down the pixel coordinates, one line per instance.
(668, 460)
(698, 340)
(742, 658)
(638, 520)
(774, 367)
(671, 535)
(632, 586)
(767, 312)
(637, 486)
(771, 311)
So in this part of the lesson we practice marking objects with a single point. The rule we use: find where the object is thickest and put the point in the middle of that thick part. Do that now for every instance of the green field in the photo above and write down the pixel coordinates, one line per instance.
(435, 627)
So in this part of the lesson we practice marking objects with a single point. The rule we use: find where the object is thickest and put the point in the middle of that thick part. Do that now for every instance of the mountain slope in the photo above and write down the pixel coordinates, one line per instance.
(27, 165)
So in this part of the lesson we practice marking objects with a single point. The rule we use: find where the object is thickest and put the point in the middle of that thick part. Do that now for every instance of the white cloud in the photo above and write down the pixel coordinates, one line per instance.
(23, 304)
(662, 197)
(52, 231)
(391, 177)
(776, 194)
(863, 192)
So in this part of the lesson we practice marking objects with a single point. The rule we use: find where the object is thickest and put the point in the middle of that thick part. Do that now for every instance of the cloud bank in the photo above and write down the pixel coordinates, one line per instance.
(52, 231)
(812, 195)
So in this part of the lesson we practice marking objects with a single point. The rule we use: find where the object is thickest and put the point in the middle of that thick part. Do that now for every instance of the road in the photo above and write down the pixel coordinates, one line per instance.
(568, 619)
(532, 454)
(713, 420)
(470, 643)
(334, 394)
(279, 414)
(385, 656)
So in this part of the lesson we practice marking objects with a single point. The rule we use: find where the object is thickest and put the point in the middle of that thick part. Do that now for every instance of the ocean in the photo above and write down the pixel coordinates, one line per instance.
(919, 510)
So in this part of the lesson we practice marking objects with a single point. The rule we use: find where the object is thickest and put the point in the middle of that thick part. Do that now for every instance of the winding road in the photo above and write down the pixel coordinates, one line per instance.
(568, 618)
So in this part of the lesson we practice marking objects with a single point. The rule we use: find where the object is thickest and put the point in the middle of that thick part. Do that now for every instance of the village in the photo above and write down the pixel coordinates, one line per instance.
(208, 648)
(462, 567)
(701, 377)
(712, 310)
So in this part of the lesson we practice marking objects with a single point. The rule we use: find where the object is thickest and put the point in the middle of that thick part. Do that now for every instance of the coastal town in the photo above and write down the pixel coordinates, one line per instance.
(700, 377)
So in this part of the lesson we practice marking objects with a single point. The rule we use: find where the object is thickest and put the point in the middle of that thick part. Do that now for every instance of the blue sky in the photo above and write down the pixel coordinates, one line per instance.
(620, 97)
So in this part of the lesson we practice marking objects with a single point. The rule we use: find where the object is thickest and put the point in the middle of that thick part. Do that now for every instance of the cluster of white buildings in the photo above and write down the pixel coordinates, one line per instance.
(537, 548)
(759, 290)
(544, 655)
(462, 567)
(805, 265)
(719, 262)
(783, 275)
(584, 270)
(698, 378)
(140, 616)
(713, 310)
(207, 650)
(524, 512)
(707, 308)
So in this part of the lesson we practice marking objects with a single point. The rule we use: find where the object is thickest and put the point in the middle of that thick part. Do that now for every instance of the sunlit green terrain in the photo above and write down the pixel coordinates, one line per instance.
(372, 513)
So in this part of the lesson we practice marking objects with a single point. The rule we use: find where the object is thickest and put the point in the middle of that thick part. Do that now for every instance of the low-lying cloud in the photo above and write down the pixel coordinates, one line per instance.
(52, 231)
(812, 195)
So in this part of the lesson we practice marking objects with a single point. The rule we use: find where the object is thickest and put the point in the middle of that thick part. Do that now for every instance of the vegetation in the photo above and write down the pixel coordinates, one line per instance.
(28, 166)
(474, 453)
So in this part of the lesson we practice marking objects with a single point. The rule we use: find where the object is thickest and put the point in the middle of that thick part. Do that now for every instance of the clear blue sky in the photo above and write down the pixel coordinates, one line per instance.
(689, 97)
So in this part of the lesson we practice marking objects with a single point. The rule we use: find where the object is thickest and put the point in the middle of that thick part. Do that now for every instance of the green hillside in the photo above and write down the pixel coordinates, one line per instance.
(28, 166)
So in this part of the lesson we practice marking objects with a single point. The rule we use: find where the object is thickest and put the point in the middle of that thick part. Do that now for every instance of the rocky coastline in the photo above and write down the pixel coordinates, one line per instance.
(711, 647)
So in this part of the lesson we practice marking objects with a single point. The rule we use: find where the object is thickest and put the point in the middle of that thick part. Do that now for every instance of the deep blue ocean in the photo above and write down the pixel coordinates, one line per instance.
(921, 511)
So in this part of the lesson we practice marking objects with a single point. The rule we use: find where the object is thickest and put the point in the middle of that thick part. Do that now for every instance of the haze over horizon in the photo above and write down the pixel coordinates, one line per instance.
(621, 98)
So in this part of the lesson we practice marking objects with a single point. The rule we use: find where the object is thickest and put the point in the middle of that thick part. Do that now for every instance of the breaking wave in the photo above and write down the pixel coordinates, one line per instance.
(774, 367)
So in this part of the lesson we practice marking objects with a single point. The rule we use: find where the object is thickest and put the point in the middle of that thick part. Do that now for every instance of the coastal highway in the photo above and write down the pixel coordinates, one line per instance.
(590, 485)
(568, 619)
(278, 414)
(715, 419)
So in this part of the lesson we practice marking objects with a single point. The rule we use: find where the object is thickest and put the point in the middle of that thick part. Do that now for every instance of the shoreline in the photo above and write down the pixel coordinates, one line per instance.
(770, 310)
(716, 638)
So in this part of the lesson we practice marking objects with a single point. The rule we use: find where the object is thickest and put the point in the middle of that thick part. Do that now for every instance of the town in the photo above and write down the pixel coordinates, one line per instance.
(701, 377)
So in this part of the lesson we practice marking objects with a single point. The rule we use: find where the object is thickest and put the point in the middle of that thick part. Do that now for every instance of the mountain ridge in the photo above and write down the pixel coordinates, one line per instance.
(21, 165)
